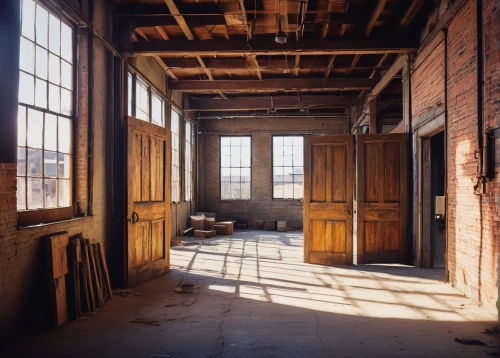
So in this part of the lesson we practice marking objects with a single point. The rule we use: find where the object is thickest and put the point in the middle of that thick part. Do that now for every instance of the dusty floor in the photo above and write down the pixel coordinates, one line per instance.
(254, 297)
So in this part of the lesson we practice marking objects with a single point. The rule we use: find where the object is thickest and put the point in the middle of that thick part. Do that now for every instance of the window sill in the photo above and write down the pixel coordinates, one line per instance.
(35, 218)
(20, 228)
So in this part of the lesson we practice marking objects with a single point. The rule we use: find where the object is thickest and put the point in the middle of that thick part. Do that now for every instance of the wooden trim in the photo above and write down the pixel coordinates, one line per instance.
(44, 216)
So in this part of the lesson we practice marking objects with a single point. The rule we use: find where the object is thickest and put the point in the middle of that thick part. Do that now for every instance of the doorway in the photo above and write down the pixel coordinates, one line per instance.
(438, 224)
(433, 200)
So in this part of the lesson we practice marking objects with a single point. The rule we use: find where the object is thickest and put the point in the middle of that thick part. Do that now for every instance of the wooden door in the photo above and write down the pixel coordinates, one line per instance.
(328, 189)
(148, 201)
(382, 198)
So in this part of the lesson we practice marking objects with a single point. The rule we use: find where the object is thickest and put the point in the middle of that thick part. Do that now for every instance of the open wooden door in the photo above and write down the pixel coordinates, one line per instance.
(148, 201)
(328, 189)
(382, 198)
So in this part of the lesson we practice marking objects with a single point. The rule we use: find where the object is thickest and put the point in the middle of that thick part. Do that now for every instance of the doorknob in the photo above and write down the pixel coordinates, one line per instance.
(349, 212)
(134, 218)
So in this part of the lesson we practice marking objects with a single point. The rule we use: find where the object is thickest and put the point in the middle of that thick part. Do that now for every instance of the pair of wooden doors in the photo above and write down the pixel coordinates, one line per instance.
(148, 207)
(374, 198)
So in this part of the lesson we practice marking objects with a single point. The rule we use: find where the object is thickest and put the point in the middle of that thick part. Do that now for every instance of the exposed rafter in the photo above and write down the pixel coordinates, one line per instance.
(266, 46)
(296, 70)
(353, 64)
(410, 13)
(326, 25)
(252, 60)
(273, 85)
(158, 58)
(277, 102)
(180, 19)
(374, 16)
(330, 66)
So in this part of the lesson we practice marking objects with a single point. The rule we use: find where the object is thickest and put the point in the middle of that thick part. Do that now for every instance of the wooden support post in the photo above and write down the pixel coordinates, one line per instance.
(373, 116)
(406, 96)
(9, 72)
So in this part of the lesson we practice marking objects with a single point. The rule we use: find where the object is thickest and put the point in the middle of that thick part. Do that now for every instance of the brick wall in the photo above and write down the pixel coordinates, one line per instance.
(427, 79)
(262, 205)
(472, 219)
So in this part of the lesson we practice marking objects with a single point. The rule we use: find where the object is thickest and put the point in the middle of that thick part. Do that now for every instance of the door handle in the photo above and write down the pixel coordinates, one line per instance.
(134, 218)
(349, 212)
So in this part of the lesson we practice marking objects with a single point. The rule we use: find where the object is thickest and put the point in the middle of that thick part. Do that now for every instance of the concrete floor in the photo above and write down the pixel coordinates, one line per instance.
(254, 297)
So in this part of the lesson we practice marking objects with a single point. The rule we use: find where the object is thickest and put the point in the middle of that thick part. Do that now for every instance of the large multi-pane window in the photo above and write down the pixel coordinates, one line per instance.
(288, 167)
(45, 110)
(174, 125)
(143, 101)
(235, 168)
(188, 166)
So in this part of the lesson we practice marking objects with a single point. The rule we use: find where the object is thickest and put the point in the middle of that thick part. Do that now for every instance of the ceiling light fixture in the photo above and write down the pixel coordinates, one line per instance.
(280, 35)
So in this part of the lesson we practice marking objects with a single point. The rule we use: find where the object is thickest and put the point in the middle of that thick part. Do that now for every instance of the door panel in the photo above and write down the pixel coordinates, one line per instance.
(328, 189)
(382, 198)
(148, 201)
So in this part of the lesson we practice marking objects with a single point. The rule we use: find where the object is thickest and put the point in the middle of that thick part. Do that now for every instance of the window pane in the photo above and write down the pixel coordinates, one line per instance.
(35, 163)
(26, 88)
(35, 128)
(66, 42)
(50, 186)
(142, 101)
(50, 140)
(21, 194)
(54, 69)
(63, 166)
(42, 28)
(64, 193)
(64, 136)
(288, 167)
(42, 59)
(66, 102)
(54, 35)
(27, 56)
(21, 126)
(40, 93)
(129, 95)
(21, 161)
(50, 164)
(235, 161)
(28, 15)
(35, 193)
(66, 75)
(54, 98)
(157, 116)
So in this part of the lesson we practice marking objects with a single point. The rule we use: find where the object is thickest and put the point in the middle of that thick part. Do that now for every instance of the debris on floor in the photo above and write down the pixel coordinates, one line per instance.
(470, 341)
(493, 330)
(122, 292)
(146, 321)
(185, 288)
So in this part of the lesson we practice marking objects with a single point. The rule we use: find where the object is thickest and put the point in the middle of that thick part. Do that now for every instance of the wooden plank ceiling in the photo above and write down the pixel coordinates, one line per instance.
(334, 47)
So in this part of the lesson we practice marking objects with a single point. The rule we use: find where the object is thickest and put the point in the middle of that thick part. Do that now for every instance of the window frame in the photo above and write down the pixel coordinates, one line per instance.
(190, 164)
(36, 216)
(220, 165)
(151, 91)
(272, 166)
(179, 149)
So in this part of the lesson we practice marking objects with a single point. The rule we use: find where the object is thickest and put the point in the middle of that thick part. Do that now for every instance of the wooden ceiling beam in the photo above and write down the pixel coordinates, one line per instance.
(374, 16)
(296, 69)
(254, 64)
(288, 84)
(379, 64)
(353, 64)
(170, 20)
(157, 58)
(180, 19)
(330, 66)
(410, 13)
(326, 25)
(277, 102)
(162, 32)
(269, 47)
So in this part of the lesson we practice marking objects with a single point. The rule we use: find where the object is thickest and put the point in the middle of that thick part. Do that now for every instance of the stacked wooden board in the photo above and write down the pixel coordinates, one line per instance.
(79, 275)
